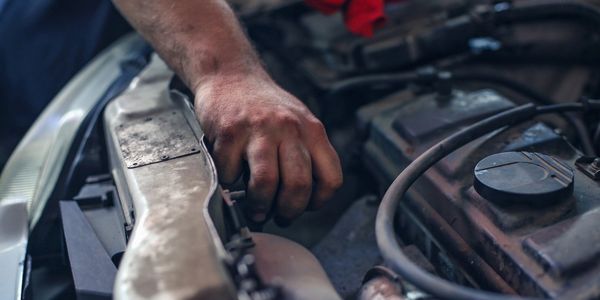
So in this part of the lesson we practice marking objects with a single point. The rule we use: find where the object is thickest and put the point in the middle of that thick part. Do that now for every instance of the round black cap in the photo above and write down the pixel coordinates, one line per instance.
(523, 177)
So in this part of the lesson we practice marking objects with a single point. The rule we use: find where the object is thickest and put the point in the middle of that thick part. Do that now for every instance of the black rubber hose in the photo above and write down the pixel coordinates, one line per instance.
(352, 83)
(384, 231)
(551, 9)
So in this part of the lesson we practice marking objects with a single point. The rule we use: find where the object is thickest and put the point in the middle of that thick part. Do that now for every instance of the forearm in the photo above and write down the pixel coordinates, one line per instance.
(198, 39)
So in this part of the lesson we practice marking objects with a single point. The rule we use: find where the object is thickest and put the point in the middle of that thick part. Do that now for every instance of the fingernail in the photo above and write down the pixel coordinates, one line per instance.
(259, 216)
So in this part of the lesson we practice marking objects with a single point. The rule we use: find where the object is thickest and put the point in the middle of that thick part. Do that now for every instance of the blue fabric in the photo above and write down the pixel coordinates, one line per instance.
(43, 43)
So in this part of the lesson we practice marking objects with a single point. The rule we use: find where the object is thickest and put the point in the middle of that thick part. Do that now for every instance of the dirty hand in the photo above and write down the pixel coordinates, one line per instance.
(249, 119)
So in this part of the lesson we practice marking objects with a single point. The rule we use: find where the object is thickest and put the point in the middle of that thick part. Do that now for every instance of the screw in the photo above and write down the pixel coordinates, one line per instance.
(164, 157)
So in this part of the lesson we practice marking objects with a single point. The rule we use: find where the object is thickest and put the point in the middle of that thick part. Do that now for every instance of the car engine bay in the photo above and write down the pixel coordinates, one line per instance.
(474, 121)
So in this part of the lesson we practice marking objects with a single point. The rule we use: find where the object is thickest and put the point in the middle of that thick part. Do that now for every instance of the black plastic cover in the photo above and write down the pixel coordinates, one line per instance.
(423, 120)
(93, 271)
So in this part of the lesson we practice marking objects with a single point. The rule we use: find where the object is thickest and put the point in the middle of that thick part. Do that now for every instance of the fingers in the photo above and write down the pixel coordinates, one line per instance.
(295, 181)
(227, 155)
(326, 167)
(262, 160)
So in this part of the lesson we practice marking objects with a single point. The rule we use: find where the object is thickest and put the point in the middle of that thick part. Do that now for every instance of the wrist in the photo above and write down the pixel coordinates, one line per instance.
(232, 80)
(209, 67)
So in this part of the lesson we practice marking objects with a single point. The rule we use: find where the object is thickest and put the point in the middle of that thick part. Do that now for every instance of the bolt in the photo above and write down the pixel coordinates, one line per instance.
(596, 163)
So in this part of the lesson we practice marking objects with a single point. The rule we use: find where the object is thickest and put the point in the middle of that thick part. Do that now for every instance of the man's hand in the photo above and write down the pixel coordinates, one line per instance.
(245, 115)
(250, 119)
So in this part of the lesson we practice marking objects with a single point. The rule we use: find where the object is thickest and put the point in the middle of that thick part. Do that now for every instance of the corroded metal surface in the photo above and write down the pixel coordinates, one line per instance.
(174, 251)
(164, 136)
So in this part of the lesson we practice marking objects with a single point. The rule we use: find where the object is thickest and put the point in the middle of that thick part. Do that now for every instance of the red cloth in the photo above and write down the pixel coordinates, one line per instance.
(362, 17)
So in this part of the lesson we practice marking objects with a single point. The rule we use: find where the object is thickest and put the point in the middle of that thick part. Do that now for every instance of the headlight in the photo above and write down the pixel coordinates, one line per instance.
(31, 173)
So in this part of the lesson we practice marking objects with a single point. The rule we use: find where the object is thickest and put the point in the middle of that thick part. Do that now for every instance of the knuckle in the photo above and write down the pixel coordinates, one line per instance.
(263, 178)
(316, 126)
(298, 184)
(317, 130)
(228, 131)
(260, 120)
(288, 119)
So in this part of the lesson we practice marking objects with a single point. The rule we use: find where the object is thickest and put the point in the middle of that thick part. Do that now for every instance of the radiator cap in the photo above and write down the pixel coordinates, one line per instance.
(523, 178)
